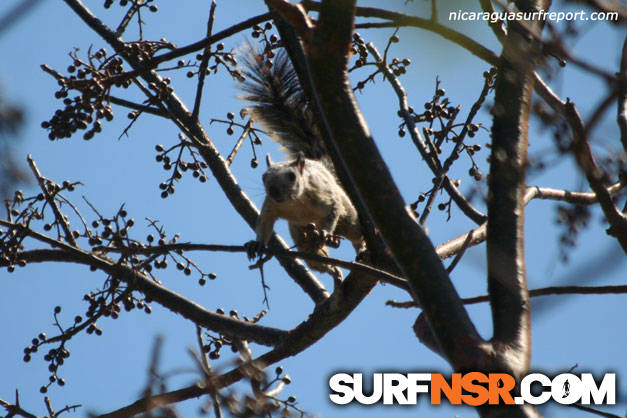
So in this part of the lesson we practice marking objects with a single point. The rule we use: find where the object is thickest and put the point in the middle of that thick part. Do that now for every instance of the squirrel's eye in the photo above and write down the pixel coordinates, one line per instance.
(291, 177)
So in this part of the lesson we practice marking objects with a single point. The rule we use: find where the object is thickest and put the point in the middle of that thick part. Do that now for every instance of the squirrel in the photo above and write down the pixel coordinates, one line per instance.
(304, 190)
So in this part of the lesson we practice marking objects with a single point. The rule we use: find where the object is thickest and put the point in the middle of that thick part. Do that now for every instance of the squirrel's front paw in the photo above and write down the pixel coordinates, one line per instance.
(322, 237)
(254, 249)
(331, 240)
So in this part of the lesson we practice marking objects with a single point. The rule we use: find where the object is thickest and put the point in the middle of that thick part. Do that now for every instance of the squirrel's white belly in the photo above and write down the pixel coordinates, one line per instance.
(301, 211)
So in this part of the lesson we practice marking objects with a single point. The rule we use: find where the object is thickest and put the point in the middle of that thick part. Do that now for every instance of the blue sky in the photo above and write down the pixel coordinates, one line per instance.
(106, 372)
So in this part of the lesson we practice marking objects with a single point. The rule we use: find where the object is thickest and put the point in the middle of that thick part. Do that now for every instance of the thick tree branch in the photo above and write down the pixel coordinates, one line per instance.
(328, 56)
(507, 287)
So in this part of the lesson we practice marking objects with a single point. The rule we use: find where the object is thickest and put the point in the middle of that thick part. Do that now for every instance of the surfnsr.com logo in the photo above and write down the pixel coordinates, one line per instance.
(472, 389)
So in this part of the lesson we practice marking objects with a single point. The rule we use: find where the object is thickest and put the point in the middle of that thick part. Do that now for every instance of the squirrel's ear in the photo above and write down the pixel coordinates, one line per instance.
(300, 161)
(269, 160)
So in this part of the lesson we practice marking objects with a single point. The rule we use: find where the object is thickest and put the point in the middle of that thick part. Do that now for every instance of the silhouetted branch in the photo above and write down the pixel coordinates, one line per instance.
(15, 409)
(459, 199)
(585, 160)
(327, 315)
(507, 287)
(139, 281)
(545, 291)
(622, 97)
(49, 194)
(414, 253)
(128, 17)
(204, 62)
(18, 11)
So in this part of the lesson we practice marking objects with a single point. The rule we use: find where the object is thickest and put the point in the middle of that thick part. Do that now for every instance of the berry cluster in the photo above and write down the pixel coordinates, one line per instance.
(398, 66)
(178, 166)
(93, 80)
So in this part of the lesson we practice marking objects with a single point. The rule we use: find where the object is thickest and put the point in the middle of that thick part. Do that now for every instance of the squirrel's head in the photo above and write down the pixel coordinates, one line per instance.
(283, 181)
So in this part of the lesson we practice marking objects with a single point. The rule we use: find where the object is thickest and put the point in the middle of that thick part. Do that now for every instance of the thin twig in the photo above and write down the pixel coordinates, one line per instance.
(202, 70)
(460, 254)
(206, 366)
(544, 291)
(142, 108)
(69, 237)
(203, 43)
(16, 409)
(600, 109)
(479, 234)
(239, 142)
(457, 197)
(350, 265)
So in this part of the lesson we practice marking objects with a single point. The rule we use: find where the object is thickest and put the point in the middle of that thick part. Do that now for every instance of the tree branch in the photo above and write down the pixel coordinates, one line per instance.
(128, 17)
(202, 70)
(15, 409)
(507, 287)
(50, 198)
(478, 235)
(328, 57)
(327, 316)
(585, 161)
(622, 97)
(16, 12)
(544, 291)
(136, 280)
(459, 199)
(203, 43)
(350, 265)
(400, 19)
(475, 48)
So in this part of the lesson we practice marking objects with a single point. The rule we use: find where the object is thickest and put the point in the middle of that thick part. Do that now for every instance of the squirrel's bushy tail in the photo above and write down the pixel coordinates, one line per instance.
(278, 104)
